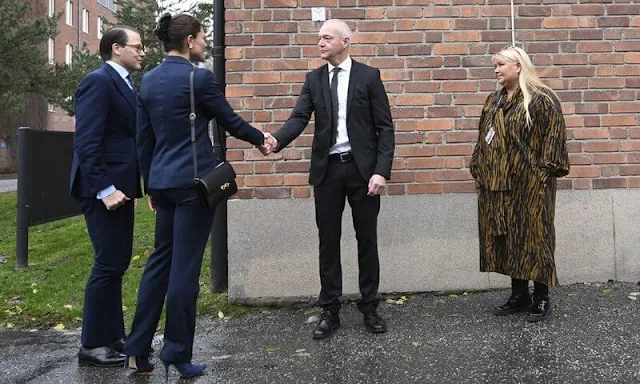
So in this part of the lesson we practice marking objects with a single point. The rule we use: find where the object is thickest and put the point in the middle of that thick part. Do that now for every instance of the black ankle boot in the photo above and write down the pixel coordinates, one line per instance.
(516, 303)
(519, 301)
(540, 309)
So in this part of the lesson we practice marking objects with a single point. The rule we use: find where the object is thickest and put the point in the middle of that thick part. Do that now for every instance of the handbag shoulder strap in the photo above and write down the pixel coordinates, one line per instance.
(192, 119)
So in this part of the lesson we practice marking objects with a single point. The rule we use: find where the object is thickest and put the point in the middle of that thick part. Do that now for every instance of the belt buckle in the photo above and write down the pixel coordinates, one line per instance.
(344, 156)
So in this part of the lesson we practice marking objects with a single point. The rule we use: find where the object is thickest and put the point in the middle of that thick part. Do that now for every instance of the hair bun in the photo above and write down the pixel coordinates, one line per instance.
(162, 29)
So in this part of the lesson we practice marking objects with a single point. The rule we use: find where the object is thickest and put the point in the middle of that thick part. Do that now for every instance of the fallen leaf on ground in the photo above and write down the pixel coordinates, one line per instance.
(452, 295)
(3, 259)
(136, 257)
(9, 325)
(13, 300)
(634, 294)
(59, 327)
(416, 343)
(147, 253)
(633, 297)
(68, 306)
(35, 291)
(607, 290)
(220, 315)
(300, 350)
(271, 349)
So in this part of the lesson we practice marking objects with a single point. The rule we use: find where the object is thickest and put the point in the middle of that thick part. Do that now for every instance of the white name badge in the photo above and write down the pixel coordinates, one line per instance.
(490, 135)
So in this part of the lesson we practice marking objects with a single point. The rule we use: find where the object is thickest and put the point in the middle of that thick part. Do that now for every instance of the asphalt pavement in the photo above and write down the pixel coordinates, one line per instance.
(592, 336)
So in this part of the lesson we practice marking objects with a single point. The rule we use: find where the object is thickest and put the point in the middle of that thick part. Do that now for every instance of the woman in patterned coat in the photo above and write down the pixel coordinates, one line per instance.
(521, 149)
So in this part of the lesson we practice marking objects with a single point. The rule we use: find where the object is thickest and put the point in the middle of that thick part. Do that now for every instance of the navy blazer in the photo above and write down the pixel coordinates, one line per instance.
(105, 137)
(164, 130)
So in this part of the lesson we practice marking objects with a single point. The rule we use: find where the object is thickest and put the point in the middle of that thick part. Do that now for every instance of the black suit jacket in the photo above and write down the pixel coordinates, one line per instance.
(369, 123)
(105, 137)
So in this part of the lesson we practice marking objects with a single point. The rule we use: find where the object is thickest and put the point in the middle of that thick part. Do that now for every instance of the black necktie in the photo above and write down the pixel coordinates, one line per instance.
(130, 82)
(334, 106)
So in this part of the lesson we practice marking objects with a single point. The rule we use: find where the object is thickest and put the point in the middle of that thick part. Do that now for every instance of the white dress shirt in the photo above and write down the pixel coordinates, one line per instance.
(342, 141)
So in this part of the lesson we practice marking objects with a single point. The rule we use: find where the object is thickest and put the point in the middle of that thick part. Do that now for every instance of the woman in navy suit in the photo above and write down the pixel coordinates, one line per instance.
(166, 163)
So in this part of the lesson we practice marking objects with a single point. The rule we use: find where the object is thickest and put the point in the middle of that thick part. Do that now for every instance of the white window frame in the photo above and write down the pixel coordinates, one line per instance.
(99, 27)
(69, 12)
(52, 7)
(51, 107)
(51, 51)
(68, 54)
(85, 20)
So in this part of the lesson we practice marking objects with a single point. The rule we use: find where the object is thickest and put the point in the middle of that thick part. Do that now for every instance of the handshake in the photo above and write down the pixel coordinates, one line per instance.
(270, 144)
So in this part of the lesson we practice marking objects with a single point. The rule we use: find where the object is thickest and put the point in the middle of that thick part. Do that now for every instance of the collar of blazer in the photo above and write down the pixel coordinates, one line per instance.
(324, 85)
(122, 86)
(178, 60)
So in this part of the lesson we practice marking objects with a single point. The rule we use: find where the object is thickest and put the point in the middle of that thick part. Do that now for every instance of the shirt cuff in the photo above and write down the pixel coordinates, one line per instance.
(106, 192)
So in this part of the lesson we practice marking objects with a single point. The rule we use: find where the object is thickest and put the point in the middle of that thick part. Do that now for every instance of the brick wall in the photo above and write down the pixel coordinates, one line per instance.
(434, 56)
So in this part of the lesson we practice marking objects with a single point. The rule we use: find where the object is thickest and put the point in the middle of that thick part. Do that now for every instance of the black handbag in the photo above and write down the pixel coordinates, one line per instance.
(218, 184)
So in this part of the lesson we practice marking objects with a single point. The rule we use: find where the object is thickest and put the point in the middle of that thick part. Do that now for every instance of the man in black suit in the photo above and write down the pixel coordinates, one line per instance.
(105, 180)
(352, 154)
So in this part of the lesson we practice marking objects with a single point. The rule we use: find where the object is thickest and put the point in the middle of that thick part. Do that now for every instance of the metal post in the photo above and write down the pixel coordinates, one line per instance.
(219, 232)
(24, 191)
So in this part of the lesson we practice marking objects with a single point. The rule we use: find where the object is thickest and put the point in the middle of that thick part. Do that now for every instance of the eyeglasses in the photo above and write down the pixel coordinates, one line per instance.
(138, 47)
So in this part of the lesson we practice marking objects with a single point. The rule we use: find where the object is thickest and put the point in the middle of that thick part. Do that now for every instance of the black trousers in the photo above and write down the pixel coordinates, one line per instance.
(343, 180)
(111, 234)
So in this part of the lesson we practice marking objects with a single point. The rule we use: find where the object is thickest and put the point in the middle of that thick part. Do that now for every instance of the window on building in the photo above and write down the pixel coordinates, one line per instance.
(108, 4)
(51, 107)
(69, 12)
(68, 56)
(99, 27)
(85, 20)
(51, 52)
(52, 7)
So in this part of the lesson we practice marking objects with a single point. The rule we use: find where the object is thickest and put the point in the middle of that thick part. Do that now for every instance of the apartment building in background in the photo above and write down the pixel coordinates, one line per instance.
(81, 23)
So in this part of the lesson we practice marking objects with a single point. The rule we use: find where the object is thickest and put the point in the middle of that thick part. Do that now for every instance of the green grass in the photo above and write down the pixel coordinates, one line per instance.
(51, 290)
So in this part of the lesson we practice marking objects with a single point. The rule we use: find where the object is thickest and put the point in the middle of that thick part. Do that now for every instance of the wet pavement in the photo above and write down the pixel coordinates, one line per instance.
(593, 336)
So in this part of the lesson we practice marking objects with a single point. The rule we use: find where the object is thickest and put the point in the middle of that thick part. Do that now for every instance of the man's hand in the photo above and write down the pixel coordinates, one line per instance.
(376, 185)
(270, 144)
(152, 205)
(115, 200)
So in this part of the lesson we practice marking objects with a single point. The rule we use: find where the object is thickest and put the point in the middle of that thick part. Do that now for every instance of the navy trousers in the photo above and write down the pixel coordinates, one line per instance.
(173, 270)
(111, 233)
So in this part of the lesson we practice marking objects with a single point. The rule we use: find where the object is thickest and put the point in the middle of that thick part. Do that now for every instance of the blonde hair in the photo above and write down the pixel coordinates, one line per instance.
(528, 79)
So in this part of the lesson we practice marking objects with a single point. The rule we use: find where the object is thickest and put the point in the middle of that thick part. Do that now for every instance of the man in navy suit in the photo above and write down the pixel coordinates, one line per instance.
(105, 179)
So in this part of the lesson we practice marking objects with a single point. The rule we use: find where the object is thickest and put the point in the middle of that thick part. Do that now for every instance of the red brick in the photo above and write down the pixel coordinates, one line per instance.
(404, 37)
(414, 100)
(609, 183)
(444, 111)
(591, 9)
(415, 150)
(560, 22)
(584, 171)
(595, 46)
(301, 192)
(454, 150)
(619, 121)
(580, 159)
(452, 175)
(462, 36)
(424, 162)
(429, 188)
(460, 187)
(629, 170)
(630, 145)
(273, 193)
(601, 146)
(609, 158)
(424, 62)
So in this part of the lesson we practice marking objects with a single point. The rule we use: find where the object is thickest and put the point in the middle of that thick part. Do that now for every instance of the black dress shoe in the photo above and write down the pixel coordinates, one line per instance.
(374, 322)
(101, 357)
(516, 303)
(328, 322)
(117, 345)
(540, 309)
